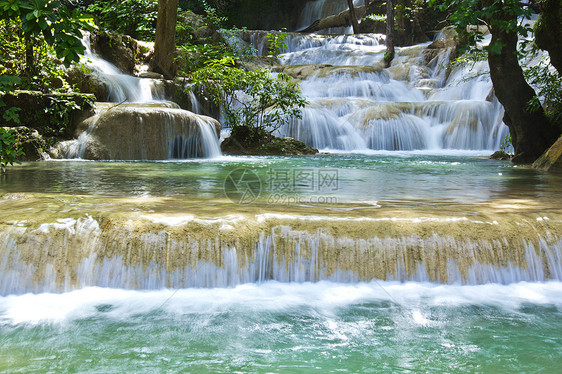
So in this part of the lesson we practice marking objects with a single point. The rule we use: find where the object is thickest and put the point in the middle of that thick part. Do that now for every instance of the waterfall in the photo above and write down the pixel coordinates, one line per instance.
(202, 143)
(419, 103)
(317, 9)
(140, 125)
(121, 87)
(152, 253)
(156, 131)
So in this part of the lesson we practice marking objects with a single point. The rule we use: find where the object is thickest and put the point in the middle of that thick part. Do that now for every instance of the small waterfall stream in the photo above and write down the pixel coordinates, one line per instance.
(121, 87)
(138, 124)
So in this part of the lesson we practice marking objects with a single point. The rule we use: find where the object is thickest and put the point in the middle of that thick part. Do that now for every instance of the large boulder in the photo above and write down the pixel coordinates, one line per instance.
(142, 132)
(120, 50)
(244, 141)
(551, 160)
(87, 82)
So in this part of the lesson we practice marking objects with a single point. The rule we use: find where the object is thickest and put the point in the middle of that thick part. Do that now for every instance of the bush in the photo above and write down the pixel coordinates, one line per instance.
(9, 150)
(255, 99)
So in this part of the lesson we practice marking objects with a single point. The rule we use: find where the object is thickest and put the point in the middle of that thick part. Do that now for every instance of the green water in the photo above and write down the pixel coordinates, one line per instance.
(407, 178)
(287, 328)
(377, 327)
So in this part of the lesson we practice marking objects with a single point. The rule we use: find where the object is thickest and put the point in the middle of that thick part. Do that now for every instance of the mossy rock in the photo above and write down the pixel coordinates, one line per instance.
(500, 156)
(30, 141)
(86, 82)
(39, 111)
(246, 141)
(551, 160)
(197, 30)
(121, 50)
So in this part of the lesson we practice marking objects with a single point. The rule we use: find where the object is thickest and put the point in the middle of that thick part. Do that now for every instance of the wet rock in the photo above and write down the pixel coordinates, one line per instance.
(141, 132)
(86, 82)
(324, 71)
(501, 156)
(118, 49)
(150, 75)
(448, 39)
(447, 43)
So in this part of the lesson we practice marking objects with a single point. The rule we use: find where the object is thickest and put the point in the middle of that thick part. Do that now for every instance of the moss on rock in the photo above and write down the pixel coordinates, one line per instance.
(30, 141)
(551, 160)
(501, 156)
(52, 115)
(247, 141)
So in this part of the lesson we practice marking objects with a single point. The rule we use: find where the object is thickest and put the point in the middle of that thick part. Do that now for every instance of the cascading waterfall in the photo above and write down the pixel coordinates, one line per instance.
(363, 261)
(141, 125)
(416, 104)
(191, 252)
(318, 9)
(121, 87)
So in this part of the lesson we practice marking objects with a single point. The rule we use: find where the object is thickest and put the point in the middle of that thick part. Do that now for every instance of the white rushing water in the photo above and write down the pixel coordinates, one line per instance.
(141, 125)
(155, 259)
(324, 297)
(121, 87)
(420, 103)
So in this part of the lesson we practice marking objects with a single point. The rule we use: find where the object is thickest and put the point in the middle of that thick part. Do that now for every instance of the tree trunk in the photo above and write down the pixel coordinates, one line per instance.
(354, 22)
(531, 132)
(389, 54)
(29, 60)
(548, 31)
(165, 42)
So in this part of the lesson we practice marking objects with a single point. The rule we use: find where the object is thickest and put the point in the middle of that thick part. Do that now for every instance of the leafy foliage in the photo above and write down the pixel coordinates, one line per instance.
(47, 74)
(549, 94)
(136, 18)
(276, 42)
(60, 110)
(50, 20)
(254, 99)
(9, 150)
(194, 57)
(490, 15)
(213, 16)
(376, 17)
(7, 82)
(506, 144)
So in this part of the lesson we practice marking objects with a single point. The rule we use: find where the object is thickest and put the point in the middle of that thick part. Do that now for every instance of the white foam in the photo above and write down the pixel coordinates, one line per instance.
(70, 225)
(414, 298)
(183, 220)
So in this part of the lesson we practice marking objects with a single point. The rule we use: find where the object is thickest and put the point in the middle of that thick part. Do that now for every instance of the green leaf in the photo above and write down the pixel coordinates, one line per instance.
(43, 24)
